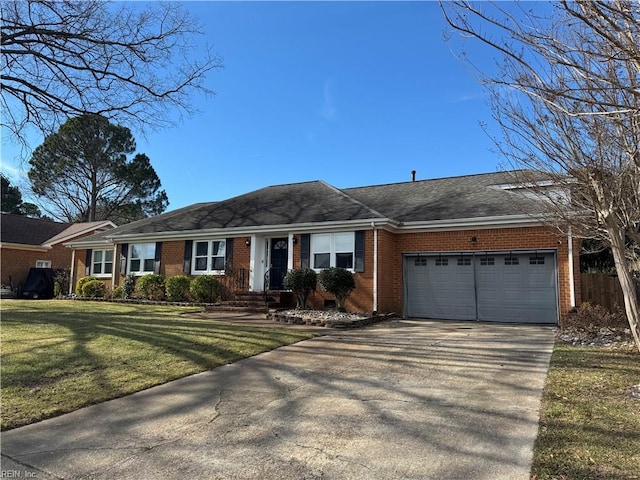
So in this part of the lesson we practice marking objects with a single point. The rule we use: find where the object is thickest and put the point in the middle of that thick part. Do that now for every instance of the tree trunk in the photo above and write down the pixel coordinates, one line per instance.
(626, 282)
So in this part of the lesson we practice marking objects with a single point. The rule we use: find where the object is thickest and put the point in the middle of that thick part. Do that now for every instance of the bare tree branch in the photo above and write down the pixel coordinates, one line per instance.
(129, 63)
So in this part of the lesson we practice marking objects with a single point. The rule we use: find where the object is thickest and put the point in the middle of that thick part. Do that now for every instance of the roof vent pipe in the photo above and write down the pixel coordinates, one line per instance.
(413, 175)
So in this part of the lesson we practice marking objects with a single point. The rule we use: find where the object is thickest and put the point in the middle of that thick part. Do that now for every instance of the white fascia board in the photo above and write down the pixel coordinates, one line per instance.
(22, 246)
(84, 245)
(503, 221)
(246, 231)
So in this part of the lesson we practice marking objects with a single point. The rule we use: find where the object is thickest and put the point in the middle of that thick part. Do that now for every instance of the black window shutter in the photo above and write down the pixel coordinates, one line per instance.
(228, 261)
(305, 250)
(359, 253)
(124, 251)
(156, 260)
(87, 262)
(188, 249)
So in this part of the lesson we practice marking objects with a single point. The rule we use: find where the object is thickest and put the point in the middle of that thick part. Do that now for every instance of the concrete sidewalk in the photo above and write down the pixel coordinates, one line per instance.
(401, 399)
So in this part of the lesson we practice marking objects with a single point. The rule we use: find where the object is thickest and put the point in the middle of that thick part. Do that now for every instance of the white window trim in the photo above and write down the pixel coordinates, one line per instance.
(210, 257)
(142, 259)
(332, 250)
(93, 262)
(47, 263)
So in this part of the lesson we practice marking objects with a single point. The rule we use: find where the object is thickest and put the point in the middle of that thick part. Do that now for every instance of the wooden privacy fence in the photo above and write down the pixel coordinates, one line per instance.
(603, 289)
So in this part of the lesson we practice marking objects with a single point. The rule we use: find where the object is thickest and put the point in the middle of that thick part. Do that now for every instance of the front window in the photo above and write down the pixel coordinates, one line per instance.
(102, 262)
(142, 258)
(43, 263)
(209, 257)
(333, 250)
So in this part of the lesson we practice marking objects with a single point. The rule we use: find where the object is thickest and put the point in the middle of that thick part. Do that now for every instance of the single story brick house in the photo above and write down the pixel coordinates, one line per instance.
(470, 248)
(27, 242)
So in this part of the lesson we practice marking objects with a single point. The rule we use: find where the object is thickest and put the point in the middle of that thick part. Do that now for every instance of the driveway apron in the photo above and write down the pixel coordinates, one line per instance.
(403, 399)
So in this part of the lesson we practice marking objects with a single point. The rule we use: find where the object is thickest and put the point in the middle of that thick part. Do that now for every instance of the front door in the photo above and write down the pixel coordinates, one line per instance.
(278, 267)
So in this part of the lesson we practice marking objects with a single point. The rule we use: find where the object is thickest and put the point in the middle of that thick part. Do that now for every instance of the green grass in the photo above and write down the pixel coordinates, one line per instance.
(589, 424)
(58, 356)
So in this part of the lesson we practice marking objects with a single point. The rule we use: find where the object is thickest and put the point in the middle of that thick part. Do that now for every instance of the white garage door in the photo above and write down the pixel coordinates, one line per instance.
(497, 287)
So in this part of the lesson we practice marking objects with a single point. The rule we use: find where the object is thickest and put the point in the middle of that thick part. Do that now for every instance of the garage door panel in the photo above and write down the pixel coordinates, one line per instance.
(439, 288)
(517, 288)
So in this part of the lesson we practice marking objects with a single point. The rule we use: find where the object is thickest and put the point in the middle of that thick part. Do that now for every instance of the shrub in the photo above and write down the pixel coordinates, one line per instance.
(205, 288)
(61, 280)
(94, 289)
(129, 286)
(302, 281)
(151, 287)
(81, 283)
(117, 292)
(339, 282)
(177, 288)
(588, 315)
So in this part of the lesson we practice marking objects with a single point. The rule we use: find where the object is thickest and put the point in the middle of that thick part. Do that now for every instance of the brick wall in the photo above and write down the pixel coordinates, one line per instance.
(17, 262)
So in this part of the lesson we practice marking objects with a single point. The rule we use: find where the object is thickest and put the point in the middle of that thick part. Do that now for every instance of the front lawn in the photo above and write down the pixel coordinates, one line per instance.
(58, 356)
(589, 420)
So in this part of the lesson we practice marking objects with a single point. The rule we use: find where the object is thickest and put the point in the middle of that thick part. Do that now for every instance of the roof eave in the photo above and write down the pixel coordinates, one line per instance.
(501, 221)
(242, 231)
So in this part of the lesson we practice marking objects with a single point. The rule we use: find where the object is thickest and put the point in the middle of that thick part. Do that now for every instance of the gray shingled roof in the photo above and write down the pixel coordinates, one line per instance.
(470, 196)
(309, 202)
(27, 230)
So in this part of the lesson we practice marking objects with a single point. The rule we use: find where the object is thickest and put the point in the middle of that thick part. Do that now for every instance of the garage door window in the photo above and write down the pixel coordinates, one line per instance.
(442, 262)
(464, 262)
(536, 260)
(487, 261)
(511, 261)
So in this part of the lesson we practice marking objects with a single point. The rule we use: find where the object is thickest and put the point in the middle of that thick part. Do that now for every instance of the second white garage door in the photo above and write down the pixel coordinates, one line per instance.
(499, 287)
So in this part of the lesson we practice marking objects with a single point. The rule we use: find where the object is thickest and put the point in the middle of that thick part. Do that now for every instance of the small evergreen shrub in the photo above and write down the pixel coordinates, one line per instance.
(302, 282)
(94, 289)
(339, 282)
(151, 287)
(177, 288)
(117, 292)
(205, 288)
(81, 283)
(129, 286)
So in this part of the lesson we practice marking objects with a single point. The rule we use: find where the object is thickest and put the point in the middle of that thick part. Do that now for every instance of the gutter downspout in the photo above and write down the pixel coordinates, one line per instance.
(572, 287)
(73, 271)
(375, 266)
(113, 273)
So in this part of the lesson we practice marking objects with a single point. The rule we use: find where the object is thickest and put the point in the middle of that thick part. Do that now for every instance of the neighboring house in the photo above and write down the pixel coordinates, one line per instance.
(466, 247)
(27, 242)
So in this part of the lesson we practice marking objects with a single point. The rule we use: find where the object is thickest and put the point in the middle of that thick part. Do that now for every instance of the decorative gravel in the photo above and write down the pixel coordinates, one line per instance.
(325, 318)
(594, 336)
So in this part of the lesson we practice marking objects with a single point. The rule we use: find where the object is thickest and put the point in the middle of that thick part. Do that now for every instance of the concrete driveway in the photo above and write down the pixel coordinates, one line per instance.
(403, 399)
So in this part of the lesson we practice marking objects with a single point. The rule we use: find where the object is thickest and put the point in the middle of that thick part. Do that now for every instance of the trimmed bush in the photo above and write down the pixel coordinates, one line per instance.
(117, 292)
(129, 286)
(81, 283)
(177, 288)
(339, 282)
(94, 289)
(151, 287)
(302, 282)
(205, 288)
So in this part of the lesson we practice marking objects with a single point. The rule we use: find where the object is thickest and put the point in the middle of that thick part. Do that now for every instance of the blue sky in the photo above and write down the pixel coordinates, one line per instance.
(352, 93)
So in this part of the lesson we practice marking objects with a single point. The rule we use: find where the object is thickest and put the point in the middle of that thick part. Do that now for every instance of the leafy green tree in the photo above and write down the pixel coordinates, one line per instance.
(12, 200)
(83, 173)
(339, 282)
